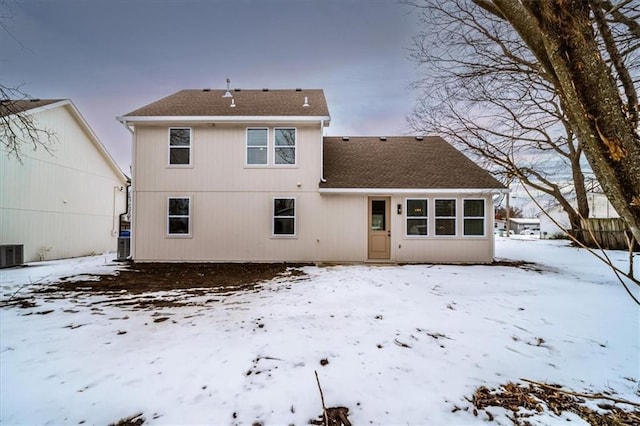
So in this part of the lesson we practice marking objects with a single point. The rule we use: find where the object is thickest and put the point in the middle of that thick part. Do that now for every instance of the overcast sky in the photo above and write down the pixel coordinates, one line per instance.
(113, 56)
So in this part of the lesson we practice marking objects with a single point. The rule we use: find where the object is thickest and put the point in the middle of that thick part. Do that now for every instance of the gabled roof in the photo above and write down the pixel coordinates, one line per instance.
(13, 106)
(400, 163)
(248, 103)
(32, 107)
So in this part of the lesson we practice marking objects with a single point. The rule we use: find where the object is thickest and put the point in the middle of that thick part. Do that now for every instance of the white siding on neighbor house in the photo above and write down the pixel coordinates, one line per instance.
(599, 207)
(62, 204)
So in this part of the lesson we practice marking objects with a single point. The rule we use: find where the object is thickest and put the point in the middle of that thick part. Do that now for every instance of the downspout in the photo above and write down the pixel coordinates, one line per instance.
(322, 179)
(130, 188)
(126, 207)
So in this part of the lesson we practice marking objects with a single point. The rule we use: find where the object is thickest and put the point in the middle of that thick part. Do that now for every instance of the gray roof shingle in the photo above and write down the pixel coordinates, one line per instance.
(13, 106)
(399, 163)
(248, 103)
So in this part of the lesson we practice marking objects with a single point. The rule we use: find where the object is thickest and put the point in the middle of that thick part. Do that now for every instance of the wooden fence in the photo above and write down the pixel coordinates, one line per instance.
(607, 233)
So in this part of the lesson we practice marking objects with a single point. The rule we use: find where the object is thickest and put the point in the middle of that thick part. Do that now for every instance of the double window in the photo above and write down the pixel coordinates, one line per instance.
(179, 216)
(474, 217)
(417, 217)
(284, 217)
(445, 217)
(283, 147)
(257, 146)
(180, 146)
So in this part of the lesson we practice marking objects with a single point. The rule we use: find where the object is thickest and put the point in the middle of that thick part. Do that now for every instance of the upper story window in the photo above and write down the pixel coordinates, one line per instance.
(445, 217)
(179, 216)
(284, 217)
(285, 146)
(417, 217)
(474, 217)
(257, 146)
(180, 146)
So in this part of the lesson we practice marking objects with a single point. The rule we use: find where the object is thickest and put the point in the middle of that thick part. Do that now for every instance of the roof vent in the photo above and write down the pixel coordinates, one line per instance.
(206, 90)
(419, 138)
(266, 89)
(306, 102)
(233, 103)
(345, 138)
(236, 90)
(383, 138)
(227, 94)
(298, 89)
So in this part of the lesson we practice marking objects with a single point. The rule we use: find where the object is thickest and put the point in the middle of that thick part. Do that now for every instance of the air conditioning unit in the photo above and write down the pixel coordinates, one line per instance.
(11, 255)
(124, 248)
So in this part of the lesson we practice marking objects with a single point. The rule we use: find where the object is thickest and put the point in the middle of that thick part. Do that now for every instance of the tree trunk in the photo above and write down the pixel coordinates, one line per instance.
(569, 53)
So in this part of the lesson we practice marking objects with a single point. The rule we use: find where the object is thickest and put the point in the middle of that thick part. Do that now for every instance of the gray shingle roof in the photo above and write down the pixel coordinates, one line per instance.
(248, 103)
(13, 106)
(400, 162)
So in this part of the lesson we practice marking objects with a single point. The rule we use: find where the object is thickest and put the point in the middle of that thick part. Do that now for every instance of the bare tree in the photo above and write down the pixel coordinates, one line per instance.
(482, 89)
(18, 128)
(586, 49)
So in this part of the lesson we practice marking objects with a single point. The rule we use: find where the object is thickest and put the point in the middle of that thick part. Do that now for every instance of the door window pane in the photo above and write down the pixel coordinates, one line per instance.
(378, 213)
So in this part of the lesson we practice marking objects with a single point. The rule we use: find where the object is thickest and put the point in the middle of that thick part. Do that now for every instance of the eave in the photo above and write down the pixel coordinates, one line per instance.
(132, 120)
(393, 191)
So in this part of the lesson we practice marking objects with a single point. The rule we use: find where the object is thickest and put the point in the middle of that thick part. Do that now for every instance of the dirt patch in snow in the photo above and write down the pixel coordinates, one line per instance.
(155, 285)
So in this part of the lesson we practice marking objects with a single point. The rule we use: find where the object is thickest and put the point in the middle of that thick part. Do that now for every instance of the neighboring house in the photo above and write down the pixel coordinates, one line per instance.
(519, 224)
(599, 208)
(247, 176)
(66, 202)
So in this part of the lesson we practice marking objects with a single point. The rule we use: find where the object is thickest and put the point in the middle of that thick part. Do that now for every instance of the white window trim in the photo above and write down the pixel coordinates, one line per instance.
(436, 217)
(190, 147)
(295, 147)
(407, 217)
(246, 147)
(189, 217)
(484, 218)
(295, 218)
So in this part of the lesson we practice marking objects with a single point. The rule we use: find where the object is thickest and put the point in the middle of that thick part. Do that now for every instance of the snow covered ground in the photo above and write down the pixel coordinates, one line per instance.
(404, 344)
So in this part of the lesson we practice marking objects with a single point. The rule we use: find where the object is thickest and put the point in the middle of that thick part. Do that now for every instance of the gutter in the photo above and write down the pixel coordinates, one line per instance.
(384, 191)
(125, 123)
(220, 118)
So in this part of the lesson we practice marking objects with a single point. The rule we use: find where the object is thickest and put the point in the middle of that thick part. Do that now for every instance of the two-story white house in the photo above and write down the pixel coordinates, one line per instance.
(247, 176)
(59, 202)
